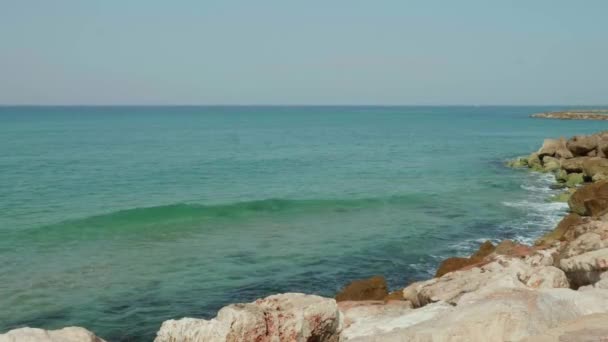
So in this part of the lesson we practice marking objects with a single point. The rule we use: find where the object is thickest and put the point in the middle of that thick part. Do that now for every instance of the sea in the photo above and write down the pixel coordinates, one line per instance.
(116, 218)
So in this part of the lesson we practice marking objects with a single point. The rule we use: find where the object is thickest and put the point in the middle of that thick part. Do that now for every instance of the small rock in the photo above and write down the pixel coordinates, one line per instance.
(373, 288)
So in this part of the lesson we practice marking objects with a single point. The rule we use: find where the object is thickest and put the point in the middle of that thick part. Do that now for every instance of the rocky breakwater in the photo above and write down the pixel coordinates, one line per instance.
(592, 114)
(554, 290)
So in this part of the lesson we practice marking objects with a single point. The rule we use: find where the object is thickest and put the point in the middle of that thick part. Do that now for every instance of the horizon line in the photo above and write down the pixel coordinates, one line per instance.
(303, 105)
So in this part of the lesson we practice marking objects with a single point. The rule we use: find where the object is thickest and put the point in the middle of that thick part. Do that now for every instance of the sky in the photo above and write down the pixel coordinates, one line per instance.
(384, 52)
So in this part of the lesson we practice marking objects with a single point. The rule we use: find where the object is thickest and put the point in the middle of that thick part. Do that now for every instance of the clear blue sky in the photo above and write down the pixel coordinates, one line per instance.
(303, 52)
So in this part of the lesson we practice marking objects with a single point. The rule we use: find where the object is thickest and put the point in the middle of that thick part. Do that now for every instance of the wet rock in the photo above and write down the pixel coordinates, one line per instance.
(374, 288)
(551, 164)
(561, 176)
(574, 179)
(518, 162)
(534, 162)
(562, 197)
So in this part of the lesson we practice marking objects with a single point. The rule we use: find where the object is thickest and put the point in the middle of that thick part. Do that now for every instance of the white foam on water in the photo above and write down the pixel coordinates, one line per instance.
(538, 214)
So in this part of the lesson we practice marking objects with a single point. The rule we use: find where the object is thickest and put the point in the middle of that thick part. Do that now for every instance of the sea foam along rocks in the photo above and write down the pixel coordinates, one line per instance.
(69, 334)
(283, 317)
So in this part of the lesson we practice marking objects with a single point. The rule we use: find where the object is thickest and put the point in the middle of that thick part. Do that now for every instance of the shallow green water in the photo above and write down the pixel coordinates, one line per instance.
(119, 218)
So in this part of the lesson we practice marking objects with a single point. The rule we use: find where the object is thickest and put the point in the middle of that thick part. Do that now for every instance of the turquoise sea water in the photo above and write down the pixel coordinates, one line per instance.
(117, 218)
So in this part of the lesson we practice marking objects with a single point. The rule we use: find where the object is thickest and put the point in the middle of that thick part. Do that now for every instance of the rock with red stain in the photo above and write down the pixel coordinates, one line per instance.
(283, 317)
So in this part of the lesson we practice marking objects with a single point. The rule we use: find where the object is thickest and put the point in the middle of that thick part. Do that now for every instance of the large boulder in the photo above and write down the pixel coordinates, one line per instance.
(364, 318)
(582, 145)
(555, 148)
(501, 315)
(573, 165)
(595, 191)
(596, 168)
(284, 317)
(373, 288)
(370, 319)
(70, 334)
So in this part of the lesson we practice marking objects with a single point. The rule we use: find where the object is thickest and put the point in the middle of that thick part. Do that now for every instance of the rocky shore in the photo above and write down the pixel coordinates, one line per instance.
(595, 114)
(554, 290)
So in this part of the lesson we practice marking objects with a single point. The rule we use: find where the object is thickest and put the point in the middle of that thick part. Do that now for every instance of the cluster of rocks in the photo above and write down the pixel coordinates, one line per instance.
(580, 159)
(598, 114)
(554, 290)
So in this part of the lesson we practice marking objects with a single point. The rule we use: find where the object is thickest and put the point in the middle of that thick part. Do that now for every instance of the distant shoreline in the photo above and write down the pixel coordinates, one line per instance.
(591, 114)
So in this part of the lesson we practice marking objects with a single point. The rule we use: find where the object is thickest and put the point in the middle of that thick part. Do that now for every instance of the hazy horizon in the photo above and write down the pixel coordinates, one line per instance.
(393, 53)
